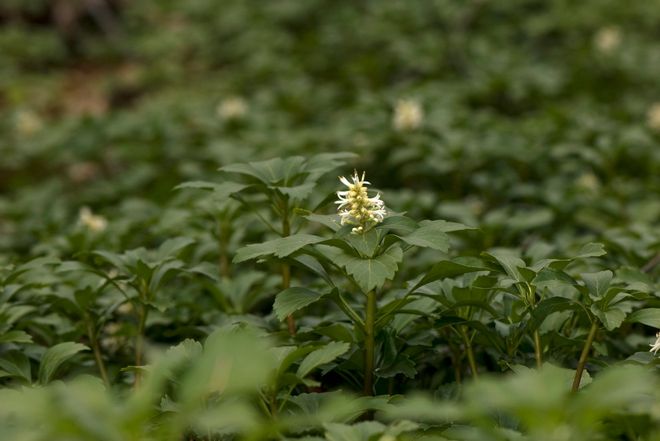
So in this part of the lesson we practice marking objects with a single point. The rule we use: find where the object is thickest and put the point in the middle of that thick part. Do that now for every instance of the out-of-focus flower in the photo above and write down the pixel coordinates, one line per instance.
(232, 108)
(653, 117)
(608, 39)
(408, 115)
(27, 123)
(655, 347)
(588, 181)
(355, 207)
(82, 172)
(92, 221)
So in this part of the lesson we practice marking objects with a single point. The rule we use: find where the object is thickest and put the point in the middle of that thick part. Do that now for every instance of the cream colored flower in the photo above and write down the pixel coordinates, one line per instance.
(408, 115)
(27, 123)
(655, 347)
(608, 39)
(92, 221)
(653, 117)
(355, 207)
(233, 108)
(588, 181)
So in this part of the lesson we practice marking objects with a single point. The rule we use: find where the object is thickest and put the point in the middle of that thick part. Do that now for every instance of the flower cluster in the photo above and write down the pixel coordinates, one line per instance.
(356, 207)
(655, 347)
(408, 115)
(92, 221)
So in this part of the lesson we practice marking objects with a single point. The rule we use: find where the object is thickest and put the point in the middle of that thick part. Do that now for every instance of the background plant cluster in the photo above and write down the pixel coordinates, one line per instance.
(171, 266)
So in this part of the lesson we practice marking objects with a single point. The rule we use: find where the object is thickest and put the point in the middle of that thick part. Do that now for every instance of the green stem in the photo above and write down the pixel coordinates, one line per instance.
(369, 343)
(93, 341)
(286, 269)
(583, 356)
(223, 263)
(139, 342)
(350, 312)
(537, 349)
(470, 354)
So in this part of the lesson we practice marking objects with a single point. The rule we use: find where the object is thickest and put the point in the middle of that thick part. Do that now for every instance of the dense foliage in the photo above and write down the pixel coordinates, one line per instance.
(173, 265)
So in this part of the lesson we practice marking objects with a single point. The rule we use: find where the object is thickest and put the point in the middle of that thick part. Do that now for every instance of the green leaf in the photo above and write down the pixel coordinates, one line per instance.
(16, 364)
(222, 190)
(281, 247)
(55, 356)
(16, 337)
(509, 262)
(597, 283)
(648, 316)
(610, 318)
(549, 306)
(292, 299)
(371, 273)
(431, 234)
(172, 247)
(447, 269)
(398, 224)
(321, 356)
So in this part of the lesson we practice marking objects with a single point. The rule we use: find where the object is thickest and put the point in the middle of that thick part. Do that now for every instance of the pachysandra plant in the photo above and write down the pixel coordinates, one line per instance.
(365, 251)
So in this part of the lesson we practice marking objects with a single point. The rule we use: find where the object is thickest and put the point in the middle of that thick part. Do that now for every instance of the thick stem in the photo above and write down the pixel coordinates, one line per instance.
(537, 349)
(470, 354)
(583, 356)
(286, 269)
(369, 343)
(139, 342)
(93, 341)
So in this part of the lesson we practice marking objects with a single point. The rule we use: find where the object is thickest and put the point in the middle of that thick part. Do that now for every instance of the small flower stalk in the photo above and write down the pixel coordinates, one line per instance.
(355, 207)
(655, 347)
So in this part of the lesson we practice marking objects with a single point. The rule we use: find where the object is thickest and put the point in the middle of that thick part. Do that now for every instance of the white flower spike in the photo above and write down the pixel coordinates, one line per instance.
(355, 207)
(655, 347)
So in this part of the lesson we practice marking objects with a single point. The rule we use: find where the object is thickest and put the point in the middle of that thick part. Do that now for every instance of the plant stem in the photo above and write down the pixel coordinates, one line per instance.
(139, 342)
(369, 343)
(470, 354)
(537, 349)
(286, 269)
(93, 341)
(223, 262)
(583, 356)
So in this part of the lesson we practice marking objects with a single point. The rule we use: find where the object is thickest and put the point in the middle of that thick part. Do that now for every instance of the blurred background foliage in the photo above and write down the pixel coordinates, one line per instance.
(536, 122)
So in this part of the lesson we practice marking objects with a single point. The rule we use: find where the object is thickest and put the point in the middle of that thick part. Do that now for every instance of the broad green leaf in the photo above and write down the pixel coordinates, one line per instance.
(222, 190)
(433, 234)
(549, 306)
(172, 247)
(648, 316)
(365, 244)
(329, 220)
(321, 356)
(371, 273)
(16, 337)
(16, 364)
(292, 299)
(597, 283)
(509, 262)
(363, 431)
(281, 247)
(589, 250)
(611, 318)
(447, 269)
(270, 172)
(398, 224)
(55, 356)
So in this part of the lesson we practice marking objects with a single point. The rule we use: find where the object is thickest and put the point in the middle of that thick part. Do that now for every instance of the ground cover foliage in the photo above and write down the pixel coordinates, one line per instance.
(173, 267)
